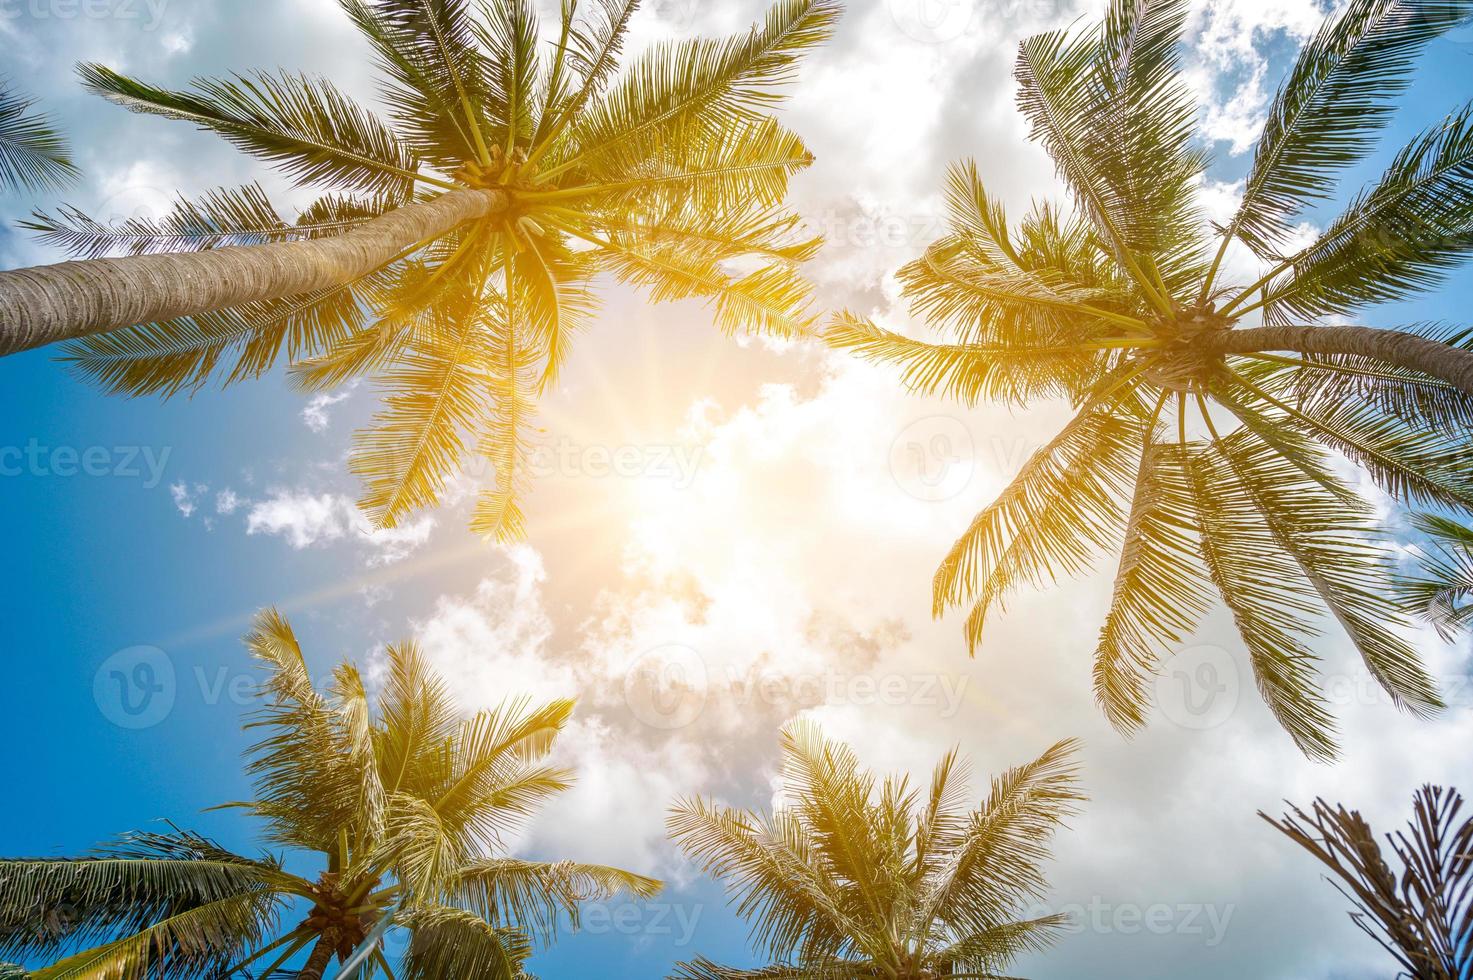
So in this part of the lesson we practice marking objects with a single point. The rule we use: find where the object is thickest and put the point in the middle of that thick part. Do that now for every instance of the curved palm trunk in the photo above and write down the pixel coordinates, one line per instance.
(1451, 364)
(50, 303)
(317, 963)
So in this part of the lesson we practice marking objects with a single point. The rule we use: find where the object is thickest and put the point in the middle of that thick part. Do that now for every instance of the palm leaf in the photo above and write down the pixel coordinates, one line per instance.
(33, 154)
(1326, 115)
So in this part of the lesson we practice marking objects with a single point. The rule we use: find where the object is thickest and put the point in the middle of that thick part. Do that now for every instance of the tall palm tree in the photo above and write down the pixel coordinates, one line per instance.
(1421, 912)
(403, 804)
(851, 878)
(1124, 306)
(452, 258)
(33, 154)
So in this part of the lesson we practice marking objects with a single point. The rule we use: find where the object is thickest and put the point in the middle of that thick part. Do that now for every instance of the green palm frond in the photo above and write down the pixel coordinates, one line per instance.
(305, 126)
(967, 372)
(402, 802)
(703, 85)
(1440, 591)
(506, 437)
(48, 905)
(1333, 541)
(1325, 117)
(223, 217)
(1058, 512)
(450, 942)
(202, 940)
(1160, 590)
(433, 393)
(33, 153)
(1268, 596)
(1401, 236)
(535, 896)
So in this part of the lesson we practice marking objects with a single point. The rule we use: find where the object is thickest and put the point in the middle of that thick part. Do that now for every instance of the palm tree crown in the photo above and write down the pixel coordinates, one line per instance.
(1201, 447)
(670, 176)
(851, 878)
(404, 803)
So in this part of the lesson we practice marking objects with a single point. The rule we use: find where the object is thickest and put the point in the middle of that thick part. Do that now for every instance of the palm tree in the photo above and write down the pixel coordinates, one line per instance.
(33, 155)
(1420, 913)
(405, 807)
(1125, 307)
(451, 257)
(1441, 592)
(851, 878)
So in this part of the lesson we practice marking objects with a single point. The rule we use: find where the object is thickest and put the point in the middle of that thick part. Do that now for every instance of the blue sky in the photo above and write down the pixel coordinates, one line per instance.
(792, 551)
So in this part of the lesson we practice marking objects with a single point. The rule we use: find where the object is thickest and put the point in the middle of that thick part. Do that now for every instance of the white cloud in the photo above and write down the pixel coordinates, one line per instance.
(306, 519)
(186, 496)
(315, 413)
(227, 501)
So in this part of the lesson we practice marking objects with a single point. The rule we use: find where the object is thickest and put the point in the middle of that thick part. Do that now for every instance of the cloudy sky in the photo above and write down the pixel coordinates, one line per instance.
(723, 535)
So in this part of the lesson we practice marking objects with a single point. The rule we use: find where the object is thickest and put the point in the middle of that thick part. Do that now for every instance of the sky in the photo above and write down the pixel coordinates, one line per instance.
(725, 534)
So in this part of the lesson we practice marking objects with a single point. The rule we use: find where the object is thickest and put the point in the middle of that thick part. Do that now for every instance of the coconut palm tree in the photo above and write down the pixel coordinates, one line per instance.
(852, 878)
(400, 802)
(451, 255)
(1421, 912)
(1202, 441)
(33, 154)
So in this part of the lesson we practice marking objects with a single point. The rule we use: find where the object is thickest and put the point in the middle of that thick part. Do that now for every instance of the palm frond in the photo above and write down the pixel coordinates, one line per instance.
(305, 126)
(33, 153)
(1161, 589)
(1325, 117)
(223, 217)
(969, 372)
(1422, 915)
(1398, 237)
(1268, 596)
(449, 942)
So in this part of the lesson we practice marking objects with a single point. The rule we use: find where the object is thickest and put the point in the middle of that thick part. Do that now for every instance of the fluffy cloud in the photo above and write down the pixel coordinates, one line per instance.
(306, 519)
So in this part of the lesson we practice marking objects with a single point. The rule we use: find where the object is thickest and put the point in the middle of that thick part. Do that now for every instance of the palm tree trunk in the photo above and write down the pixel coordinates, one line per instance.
(50, 303)
(318, 961)
(1451, 364)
